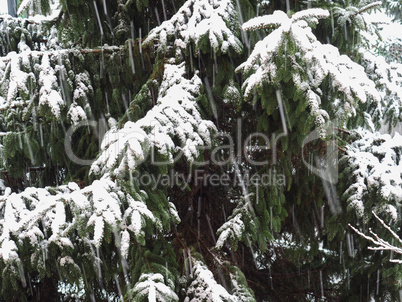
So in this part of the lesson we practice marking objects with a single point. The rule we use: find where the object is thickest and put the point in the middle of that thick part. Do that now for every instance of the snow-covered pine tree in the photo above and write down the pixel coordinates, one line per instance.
(276, 70)
(268, 67)
(118, 118)
(60, 87)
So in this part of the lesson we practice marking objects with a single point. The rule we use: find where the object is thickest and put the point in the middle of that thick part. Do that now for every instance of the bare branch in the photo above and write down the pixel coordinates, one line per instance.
(381, 244)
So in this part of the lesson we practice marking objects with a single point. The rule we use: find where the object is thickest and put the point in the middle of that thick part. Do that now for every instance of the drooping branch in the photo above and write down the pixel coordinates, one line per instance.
(108, 49)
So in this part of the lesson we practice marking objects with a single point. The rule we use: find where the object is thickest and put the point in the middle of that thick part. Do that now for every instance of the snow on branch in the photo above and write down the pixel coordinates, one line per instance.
(175, 117)
(238, 225)
(24, 4)
(352, 13)
(266, 21)
(26, 74)
(311, 14)
(369, 6)
(388, 78)
(18, 78)
(204, 287)
(57, 53)
(48, 85)
(201, 284)
(293, 41)
(374, 167)
(280, 18)
(39, 217)
(153, 287)
(197, 21)
(381, 244)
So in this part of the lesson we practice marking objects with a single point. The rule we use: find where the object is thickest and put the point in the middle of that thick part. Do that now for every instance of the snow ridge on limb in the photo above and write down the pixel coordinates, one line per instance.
(279, 18)
(311, 15)
(375, 170)
(311, 63)
(197, 21)
(175, 116)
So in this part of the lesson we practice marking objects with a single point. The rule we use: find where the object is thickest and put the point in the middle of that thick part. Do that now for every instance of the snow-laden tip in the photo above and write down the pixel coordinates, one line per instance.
(311, 14)
(280, 18)
(274, 20)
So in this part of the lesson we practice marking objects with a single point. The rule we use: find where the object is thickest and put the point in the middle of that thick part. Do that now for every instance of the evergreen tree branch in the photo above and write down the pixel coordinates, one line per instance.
(368, 7)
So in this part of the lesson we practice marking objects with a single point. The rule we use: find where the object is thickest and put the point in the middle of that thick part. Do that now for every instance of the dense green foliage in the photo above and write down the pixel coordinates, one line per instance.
(90, 96)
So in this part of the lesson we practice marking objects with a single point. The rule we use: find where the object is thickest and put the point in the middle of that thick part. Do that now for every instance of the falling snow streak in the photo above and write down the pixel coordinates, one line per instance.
(98, 18)
(282, 112)
(130, 55)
